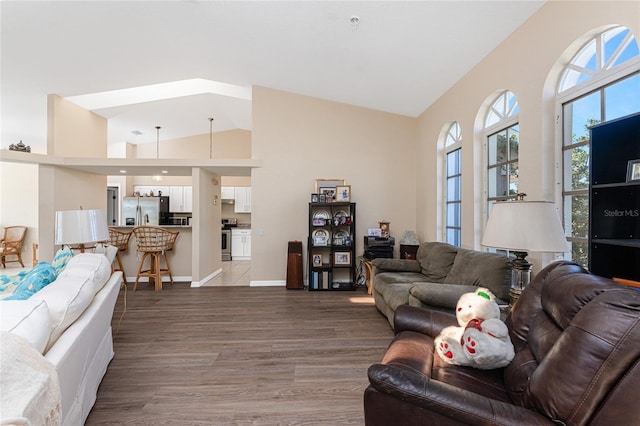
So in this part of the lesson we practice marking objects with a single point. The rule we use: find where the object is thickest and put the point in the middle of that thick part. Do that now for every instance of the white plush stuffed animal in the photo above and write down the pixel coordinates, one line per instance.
(482, 339)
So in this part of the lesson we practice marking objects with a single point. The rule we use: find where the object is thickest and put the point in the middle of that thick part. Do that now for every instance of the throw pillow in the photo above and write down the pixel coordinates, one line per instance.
(35, 280)
(61, 258)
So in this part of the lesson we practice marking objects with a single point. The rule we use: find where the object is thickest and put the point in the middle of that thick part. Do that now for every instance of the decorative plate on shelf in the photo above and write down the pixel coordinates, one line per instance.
(320, 233)
(341, 234)
(340, 213)
(321, 214)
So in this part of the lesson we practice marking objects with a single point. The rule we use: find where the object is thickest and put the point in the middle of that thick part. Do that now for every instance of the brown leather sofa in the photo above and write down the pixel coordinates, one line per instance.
(577, 362)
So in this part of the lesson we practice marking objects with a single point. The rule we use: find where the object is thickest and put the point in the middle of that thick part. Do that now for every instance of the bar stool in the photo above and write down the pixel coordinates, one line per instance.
(154, 242)
(120, 240)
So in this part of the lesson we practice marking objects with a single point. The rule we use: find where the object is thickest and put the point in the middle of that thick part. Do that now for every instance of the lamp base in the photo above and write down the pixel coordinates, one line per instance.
(520, 276)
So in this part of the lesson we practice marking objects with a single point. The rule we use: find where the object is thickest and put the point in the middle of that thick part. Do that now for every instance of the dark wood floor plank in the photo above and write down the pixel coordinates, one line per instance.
(240, 356)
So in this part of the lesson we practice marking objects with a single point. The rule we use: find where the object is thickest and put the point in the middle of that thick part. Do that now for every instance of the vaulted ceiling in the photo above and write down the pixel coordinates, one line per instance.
(201, 58)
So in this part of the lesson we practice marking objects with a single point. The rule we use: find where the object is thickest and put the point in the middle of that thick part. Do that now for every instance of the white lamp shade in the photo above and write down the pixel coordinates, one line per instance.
(528, 226)
(81, 226)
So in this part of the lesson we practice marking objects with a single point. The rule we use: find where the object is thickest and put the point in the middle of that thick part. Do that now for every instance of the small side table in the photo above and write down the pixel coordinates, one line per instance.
(368, 270)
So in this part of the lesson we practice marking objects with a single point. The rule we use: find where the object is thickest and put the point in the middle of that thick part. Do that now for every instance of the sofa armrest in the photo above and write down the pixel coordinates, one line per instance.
(449, 401)
(395, 265)
(424, 321)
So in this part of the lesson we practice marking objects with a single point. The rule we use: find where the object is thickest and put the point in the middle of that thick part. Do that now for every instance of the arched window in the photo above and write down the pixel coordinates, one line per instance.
(453, 184)
(503, 136)
(600, 83)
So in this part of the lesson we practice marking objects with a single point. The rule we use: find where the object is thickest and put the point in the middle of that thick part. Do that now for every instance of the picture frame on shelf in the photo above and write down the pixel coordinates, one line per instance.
(315, 198)
(322, 198)
(327, 183)
(342, 258)
(320, 240)
(633, 170)
(343, 193)
(329, 193)
(317, 260)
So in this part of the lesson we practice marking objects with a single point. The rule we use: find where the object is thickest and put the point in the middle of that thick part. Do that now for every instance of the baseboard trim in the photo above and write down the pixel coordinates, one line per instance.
(267, 283)
(165, 279)
(206, 279)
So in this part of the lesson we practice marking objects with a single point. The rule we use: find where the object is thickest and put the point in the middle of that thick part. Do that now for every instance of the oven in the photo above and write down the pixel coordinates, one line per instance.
(227, 224)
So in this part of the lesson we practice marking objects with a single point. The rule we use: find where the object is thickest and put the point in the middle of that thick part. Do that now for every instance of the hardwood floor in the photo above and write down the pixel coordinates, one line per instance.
(240, 356)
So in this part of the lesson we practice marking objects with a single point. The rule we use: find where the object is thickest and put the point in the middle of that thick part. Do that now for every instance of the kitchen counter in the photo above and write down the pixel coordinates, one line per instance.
(180, 256)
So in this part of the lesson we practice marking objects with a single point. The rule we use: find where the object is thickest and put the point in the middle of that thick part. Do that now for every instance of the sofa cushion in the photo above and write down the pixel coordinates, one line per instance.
(35, 280)
(67, 297)
(28, 319)
(436, 260)
(439, 295)
(481, 269)
(93, 266)
(395, 294)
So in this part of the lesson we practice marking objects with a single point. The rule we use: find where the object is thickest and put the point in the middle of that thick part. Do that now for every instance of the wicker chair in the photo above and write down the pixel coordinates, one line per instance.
(11, 244)
(119, 239)
(154, 242)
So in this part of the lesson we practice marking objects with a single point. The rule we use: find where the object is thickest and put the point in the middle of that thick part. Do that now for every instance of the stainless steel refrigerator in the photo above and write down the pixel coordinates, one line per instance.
(145, 210)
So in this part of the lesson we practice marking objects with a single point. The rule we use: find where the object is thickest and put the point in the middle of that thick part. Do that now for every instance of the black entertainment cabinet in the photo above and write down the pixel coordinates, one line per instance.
(614, 200)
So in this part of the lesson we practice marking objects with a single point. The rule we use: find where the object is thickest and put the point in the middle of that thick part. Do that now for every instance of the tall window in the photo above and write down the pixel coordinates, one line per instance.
(600, 83)
(453, 202)
(503, 138)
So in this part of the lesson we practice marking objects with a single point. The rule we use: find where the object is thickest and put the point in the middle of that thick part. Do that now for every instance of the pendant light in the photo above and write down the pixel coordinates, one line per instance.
(210, 137)
(158, 142)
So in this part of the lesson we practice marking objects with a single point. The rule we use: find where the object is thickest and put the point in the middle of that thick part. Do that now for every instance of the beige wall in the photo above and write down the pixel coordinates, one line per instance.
(19, 203)
(528, 64)
(72, 131)
(228, 144)
(206, 226)
(300, 139)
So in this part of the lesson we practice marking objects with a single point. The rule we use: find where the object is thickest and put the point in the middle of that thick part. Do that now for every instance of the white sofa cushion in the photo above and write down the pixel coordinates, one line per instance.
(67, 298)
(28, 319)
(94, 266)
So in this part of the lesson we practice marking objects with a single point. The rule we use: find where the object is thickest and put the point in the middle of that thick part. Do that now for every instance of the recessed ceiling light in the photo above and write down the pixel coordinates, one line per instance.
(123, 171)
(165, 171)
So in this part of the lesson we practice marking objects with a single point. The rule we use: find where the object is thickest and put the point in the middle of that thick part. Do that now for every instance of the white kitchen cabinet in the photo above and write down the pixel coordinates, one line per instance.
(242, 199)
(228, 193)
(180, 199)
(240, 244)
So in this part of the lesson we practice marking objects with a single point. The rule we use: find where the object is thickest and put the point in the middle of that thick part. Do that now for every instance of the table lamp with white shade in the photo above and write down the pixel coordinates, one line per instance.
(522, 227)
(77, 228)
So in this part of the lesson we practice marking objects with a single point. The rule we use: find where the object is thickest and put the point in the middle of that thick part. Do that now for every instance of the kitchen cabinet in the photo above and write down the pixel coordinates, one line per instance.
(241, 244)
(242, 199)
(228, 193)
(180, 199)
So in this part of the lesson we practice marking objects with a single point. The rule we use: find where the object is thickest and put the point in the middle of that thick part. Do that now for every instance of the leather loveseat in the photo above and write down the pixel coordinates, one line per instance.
(577, 362)
(437, 277)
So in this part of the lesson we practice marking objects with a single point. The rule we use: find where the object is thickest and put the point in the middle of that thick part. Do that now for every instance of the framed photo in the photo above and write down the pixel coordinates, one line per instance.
(329, 193)
(343, 193)
(314, 198)
(320, 240)
(327, 183)
(633, 170)
(322, 198)
(342, 258)
(317, 260)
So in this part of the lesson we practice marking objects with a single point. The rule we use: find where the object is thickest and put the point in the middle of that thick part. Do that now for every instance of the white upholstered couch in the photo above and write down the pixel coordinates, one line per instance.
(68, 323)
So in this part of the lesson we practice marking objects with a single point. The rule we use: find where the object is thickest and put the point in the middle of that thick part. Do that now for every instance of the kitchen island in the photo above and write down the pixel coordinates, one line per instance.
(179, 257)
